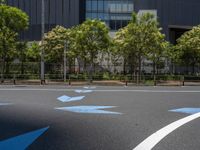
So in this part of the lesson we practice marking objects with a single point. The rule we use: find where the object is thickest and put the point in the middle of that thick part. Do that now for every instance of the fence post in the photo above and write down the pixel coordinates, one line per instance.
(69, 80)
(154, 79)
(14, 79)
(126, 81)
(2, 78)
(183, 81)
(137, 79)
(42, 81)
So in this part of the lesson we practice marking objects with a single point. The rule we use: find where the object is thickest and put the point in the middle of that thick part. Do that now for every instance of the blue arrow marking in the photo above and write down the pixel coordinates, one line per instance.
(5, 104)
(89, 109)
(187, 110)
(65, 98)
(21, 142)
(83, 91)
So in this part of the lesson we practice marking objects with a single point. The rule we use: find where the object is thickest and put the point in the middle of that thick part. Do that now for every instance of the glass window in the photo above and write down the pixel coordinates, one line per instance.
(124, 23)
(124, 7)
(94, 16)
(101, 16)
(94, 6)
(88, 15)
(106, 6)
(112, 25)
(88, 5)
(118, 8)
(118, 24)
(106, 16)
(112, 8)
(130, 7)
(100, 6)
(107, 23)
(115, 13)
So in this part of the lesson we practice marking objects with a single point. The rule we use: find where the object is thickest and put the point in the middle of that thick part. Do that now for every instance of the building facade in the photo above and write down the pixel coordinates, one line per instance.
(175, 16)
(115, 14)
(57, 12)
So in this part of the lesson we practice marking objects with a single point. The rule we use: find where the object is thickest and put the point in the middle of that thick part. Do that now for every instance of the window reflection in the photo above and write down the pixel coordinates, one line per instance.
(115, 13)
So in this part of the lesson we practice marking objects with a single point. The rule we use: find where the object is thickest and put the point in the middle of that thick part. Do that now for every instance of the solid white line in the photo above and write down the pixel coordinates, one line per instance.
(155, 138)
(107, 90)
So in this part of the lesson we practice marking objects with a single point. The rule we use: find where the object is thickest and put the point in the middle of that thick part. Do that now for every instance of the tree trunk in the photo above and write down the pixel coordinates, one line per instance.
(70, 66)
(139, 69)
(193, 68)
(154, 73)
(4, 62)
(2, 70)
(91, 68)
(7, 67)
(85, 65)
(22, 67)
(124, 67)
(132, 70)
(79, 66)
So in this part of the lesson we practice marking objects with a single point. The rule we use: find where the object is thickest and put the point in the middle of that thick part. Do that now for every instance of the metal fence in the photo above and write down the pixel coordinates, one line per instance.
(29, 73)
(102, 79)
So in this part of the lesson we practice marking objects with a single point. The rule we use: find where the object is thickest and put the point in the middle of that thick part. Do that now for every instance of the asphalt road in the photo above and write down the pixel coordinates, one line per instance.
(144, 111)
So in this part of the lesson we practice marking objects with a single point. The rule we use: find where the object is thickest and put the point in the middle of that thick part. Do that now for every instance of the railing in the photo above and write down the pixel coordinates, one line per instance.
(104, 79)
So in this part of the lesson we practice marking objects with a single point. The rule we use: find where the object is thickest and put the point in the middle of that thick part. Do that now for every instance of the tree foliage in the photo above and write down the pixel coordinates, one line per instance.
(141, 39)
(92, 38)
(188, 47)
(54, 42)
(2, 2)
(158, 51)
(33, 52)
(12, 21)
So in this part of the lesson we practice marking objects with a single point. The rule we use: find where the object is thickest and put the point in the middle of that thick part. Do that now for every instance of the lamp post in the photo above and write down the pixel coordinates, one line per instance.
(42, 35)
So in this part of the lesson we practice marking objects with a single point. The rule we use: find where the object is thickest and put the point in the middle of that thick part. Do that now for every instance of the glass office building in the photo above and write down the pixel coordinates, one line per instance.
(115, 13)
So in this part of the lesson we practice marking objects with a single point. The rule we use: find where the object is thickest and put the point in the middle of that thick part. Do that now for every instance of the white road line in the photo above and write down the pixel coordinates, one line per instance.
(106, 90)
(155, 138)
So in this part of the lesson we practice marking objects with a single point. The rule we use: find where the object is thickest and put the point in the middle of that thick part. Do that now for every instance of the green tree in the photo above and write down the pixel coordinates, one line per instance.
(21, 51)
(137, 39)
(2, 2)
(157, 51)
(189, 47)
(123, 49)
(54, 42)
(33, 52)
(93, 39)
(113, 56)
(12, 21)
(78, 45)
